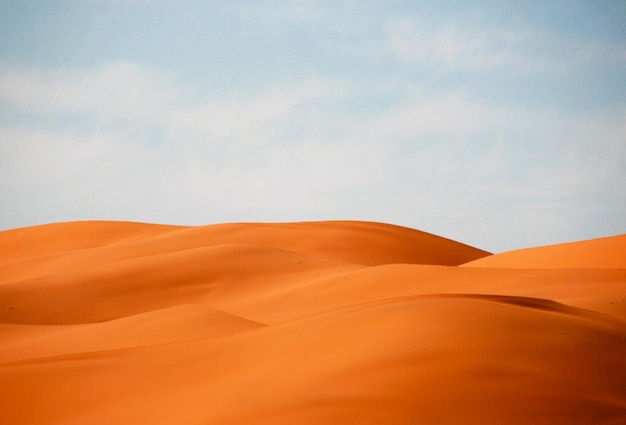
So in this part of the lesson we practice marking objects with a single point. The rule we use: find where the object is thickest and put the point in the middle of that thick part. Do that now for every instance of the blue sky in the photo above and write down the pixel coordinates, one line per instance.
(499, 124)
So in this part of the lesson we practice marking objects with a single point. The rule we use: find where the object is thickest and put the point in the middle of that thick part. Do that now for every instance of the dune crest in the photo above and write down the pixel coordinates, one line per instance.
(600, 253)
(339, 322)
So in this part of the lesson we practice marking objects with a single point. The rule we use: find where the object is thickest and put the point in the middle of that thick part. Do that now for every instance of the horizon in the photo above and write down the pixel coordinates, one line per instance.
(495, 124)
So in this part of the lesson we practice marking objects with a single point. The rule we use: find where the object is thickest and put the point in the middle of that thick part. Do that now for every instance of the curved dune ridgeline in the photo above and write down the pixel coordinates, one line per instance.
(601, 253)
(338, 322)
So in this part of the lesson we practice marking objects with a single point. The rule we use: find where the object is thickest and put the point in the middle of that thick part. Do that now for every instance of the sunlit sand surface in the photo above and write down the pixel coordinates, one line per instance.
(337, 322)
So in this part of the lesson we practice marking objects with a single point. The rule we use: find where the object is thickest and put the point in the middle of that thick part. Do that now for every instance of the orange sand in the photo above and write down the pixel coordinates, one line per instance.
(306, 323)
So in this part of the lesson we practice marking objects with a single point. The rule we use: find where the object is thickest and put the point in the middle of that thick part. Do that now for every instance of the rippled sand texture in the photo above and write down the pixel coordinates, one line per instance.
(306, 323)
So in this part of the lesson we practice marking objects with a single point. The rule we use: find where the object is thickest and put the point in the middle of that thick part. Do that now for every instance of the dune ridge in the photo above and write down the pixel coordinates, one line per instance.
(338, 322)
(600, 253)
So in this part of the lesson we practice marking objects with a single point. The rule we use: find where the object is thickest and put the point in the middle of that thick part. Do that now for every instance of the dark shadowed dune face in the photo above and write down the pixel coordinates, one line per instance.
(306, 323)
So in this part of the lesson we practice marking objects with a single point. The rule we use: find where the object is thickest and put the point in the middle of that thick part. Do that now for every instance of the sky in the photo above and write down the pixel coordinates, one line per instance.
(499, 124)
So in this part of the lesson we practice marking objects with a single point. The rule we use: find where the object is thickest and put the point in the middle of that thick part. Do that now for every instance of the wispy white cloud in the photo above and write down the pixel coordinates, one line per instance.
(416, 113)
(451, 46)
(446, 163)
(118, 90)
(217, 156)
(451, 116)
(454, 44)
(476, 46)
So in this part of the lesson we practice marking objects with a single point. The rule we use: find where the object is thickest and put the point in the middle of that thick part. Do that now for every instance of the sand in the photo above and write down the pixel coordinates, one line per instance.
(338, 322)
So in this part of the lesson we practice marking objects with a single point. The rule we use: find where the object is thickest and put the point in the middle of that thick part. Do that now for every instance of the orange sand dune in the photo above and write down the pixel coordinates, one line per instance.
(306, 323)
(59, 246)
(608, 253)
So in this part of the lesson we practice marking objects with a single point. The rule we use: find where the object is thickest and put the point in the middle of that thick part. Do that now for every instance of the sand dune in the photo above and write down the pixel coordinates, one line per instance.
(608, 253)
(306, 323)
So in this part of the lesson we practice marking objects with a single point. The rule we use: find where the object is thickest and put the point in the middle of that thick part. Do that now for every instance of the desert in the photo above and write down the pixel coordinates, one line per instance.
(330, 322)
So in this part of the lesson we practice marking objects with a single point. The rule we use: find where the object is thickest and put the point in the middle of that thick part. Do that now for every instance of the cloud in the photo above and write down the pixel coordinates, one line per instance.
(476, 46)
(450, 46)
(446, 116)
(146, 152)
(115, 91)
(130, 142)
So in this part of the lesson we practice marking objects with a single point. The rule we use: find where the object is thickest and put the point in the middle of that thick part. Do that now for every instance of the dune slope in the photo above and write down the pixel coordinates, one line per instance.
(309, 323)
(608, 253)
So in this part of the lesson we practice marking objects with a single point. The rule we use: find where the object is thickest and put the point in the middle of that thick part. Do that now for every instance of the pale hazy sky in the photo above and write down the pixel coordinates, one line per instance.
(501, 124)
